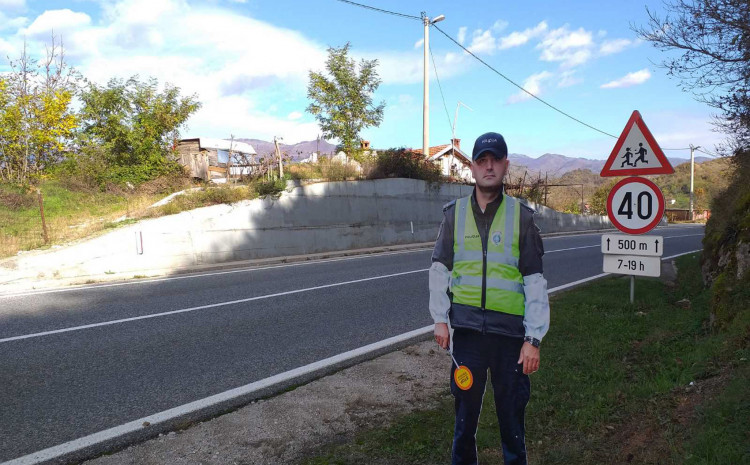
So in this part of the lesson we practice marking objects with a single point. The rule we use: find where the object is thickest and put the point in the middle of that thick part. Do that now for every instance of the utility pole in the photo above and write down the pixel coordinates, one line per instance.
(692, 175)
(426, 85)
(453, 131)
(278, 154)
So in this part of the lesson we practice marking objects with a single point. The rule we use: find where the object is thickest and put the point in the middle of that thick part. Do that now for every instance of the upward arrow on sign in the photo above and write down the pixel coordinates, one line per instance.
(636, 152)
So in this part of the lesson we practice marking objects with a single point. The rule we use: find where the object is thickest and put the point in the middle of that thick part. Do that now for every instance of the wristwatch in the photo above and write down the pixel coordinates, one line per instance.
(532, 340)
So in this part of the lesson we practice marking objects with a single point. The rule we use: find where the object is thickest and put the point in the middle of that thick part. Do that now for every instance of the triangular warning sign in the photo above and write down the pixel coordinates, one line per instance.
(636, 152)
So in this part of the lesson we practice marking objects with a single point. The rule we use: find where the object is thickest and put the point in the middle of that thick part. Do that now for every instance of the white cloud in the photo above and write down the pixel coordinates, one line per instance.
(514, 39)
(7, 49)
(419, 43)
(531, 84)
(461, 35)
(610, 47)
(630, 79)
(571, 48)
(12, 23)
(568, 78)
(499, 25)
(482, 42)
(59, 21)
(12, 4)
(202, 49)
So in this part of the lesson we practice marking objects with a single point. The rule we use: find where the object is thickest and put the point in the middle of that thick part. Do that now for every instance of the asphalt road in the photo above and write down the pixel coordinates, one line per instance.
(221, 330)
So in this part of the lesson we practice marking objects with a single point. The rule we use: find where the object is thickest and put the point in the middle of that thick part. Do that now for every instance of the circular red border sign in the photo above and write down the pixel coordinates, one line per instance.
(659, 198)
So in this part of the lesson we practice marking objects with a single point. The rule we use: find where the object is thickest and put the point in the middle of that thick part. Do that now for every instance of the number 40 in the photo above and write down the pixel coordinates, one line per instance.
(626, 207)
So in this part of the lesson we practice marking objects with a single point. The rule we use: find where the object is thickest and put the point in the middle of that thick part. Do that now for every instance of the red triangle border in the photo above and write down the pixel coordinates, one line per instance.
(665, 168)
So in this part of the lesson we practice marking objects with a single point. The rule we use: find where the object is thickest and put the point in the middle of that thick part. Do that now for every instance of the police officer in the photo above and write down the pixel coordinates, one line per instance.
(486, 280)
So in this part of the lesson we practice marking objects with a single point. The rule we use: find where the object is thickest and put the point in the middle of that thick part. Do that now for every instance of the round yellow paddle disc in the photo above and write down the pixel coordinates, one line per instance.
(463, 378)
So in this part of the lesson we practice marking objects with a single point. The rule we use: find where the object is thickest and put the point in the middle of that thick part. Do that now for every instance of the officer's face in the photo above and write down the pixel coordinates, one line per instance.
(489, 171)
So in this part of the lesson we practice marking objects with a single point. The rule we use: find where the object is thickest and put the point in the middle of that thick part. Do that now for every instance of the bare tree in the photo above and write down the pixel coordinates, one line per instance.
(713, 37)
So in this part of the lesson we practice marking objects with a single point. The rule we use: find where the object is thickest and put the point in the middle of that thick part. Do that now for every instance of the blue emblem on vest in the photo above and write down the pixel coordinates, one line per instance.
(497, 236)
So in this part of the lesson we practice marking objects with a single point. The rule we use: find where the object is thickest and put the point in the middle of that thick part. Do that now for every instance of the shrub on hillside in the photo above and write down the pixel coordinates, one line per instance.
(726, 252)
(402, 163)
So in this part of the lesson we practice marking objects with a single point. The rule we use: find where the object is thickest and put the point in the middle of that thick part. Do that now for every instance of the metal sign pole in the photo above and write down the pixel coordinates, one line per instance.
(632, 288)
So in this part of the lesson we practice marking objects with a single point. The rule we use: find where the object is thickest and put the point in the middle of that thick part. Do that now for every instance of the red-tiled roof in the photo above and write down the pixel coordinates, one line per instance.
(433, 150)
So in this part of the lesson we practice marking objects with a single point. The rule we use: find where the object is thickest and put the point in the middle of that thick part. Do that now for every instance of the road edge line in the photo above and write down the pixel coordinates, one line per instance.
(126, 434)
(120, 436)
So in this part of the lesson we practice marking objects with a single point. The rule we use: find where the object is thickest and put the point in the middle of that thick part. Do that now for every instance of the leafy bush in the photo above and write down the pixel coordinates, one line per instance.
(401, 163)
(273, 187)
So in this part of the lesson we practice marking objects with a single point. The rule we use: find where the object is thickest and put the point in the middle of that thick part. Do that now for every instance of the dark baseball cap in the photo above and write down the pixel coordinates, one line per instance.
(490, 142)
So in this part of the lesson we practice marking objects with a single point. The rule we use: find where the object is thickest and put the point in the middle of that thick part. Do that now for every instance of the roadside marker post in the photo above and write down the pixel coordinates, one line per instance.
(635, 205)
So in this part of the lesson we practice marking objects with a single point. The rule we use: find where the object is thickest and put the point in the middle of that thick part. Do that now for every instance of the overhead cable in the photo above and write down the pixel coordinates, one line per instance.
(521, 87)
(394, 13)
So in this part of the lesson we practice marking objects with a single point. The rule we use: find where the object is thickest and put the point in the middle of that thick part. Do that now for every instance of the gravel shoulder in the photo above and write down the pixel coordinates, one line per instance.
(285, 428)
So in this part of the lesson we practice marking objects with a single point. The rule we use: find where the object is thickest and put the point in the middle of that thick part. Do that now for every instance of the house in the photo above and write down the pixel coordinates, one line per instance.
(207, 158)
(452, 160)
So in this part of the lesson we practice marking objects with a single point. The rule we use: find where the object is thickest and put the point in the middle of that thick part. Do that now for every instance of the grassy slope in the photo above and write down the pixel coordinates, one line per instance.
(74, 214)
(614, 387)
(69, 214)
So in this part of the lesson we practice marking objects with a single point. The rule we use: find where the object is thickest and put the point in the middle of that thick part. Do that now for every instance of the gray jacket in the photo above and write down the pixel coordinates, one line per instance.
(535, 321)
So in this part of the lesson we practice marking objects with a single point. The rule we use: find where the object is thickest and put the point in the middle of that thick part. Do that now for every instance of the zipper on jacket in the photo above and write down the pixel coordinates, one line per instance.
(484, 275)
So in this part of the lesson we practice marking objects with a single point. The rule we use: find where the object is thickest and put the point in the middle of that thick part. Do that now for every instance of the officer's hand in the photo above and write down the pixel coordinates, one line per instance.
(529, 357)
(442, 335)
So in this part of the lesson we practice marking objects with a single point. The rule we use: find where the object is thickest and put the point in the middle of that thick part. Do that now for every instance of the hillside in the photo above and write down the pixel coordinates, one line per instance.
(556, 165)
(711, 177)
(296, 151)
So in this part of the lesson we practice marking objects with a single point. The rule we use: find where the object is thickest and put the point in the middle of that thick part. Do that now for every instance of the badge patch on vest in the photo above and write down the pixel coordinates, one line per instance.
(497, 236)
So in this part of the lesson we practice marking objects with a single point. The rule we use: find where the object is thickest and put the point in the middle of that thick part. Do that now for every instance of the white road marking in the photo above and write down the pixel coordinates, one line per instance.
(248, 389)
(681, 254)
(572, 248)
(203, 307)
(211, 273)
(591, 278)
(259, 268)
(173, 413)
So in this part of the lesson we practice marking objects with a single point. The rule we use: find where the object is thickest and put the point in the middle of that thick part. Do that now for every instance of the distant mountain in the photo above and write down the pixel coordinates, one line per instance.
(296, 151)
(556, 165)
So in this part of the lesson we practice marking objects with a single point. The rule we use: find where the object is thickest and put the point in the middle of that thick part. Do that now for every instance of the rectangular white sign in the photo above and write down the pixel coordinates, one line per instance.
(632, 264)
(632, 245)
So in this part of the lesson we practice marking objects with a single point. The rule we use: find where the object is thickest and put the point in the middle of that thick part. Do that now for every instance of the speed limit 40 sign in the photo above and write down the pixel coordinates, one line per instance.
(635, 205)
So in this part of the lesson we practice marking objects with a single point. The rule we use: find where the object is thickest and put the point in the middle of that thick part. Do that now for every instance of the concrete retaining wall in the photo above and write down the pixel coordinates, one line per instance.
(307, 219)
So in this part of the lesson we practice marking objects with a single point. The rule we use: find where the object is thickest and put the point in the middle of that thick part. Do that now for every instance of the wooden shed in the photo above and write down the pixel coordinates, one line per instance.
(207, 158)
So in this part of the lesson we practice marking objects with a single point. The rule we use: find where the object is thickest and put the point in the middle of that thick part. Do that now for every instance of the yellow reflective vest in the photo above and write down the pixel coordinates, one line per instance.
(487, 279)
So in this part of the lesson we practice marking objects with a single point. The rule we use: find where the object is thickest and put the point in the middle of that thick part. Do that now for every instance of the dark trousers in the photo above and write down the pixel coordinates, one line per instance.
(511, 388)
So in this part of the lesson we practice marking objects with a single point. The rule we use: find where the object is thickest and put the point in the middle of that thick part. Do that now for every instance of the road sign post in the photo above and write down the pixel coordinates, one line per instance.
(635, 205)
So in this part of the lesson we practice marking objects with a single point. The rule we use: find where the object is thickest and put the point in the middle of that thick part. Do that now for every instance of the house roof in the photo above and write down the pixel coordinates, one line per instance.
(438, 151)
(223, 144)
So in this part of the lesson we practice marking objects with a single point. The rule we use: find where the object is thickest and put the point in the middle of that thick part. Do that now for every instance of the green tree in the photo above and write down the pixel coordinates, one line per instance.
(133, 127)
(342, 99)
(598, 203)
(36, 119)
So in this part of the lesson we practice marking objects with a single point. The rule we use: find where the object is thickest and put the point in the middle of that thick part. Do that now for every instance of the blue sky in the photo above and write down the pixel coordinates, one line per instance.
(248, 61)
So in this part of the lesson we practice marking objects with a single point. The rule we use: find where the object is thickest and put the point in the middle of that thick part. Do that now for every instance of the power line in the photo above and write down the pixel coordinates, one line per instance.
(434, 65)
(403, 15)
(709, 153)
(368, 7)
(521, 87)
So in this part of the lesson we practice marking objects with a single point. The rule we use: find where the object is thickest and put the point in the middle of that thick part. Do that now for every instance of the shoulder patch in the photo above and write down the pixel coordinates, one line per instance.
(448, 205)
